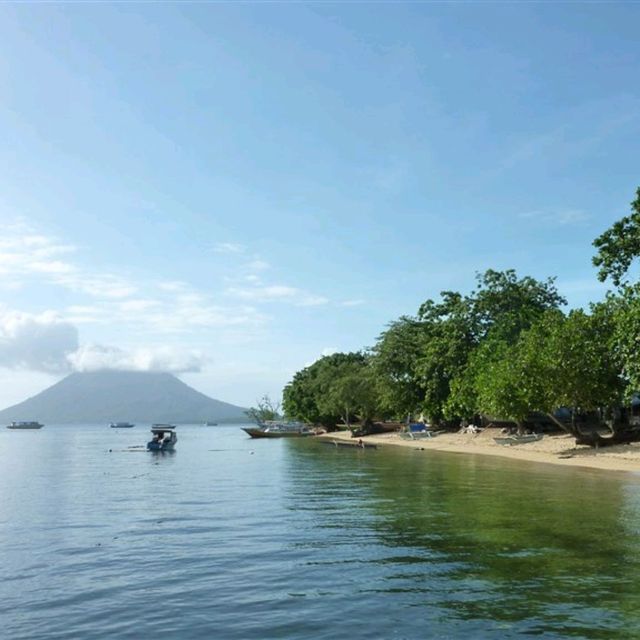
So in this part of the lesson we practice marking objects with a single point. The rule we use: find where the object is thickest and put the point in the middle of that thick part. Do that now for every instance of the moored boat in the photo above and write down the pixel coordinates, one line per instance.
(164, 438)
(25, 425)
(121, 425)
(275, 429)
(359, 444)
(515, 439)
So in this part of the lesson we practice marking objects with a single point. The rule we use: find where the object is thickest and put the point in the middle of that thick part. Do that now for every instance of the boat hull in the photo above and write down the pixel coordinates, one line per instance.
(25, 428)
(154, 446)
(352, 444)
(21, 426)
(257, 432)
(511, 440)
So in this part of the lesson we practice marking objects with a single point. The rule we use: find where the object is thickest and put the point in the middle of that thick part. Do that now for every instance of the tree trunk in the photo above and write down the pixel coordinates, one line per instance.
(560, 424)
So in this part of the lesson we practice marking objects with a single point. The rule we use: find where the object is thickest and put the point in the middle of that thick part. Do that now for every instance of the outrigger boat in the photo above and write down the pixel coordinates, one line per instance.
(164, 438)
(275, 429)
(515, 439)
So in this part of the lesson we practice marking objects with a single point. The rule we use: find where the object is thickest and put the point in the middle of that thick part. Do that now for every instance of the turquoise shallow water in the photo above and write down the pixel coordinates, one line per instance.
(237, 538)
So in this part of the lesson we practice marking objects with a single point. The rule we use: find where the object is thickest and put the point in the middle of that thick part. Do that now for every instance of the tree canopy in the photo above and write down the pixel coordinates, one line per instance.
(619, 246)
(505, 349)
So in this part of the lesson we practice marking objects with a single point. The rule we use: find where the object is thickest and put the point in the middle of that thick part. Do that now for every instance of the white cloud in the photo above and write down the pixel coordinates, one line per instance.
(98, 286)
(278, 293)
(327, 351)
(45, 342)
(36, 342)
(137, 306)
(172, 285)
(229, 247)
(95, 357)
(352, 303)
(25, 253)
(258, 265)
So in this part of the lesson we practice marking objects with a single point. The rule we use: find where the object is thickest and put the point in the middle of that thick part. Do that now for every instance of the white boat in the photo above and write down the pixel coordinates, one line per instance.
(164, 438)
(25, 425)
(121, 425)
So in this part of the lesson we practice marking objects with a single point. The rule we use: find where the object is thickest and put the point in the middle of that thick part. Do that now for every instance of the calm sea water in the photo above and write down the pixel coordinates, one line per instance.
(237, 538)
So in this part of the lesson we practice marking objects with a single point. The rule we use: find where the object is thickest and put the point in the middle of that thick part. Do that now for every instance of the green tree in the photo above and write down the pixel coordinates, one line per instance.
(350, 390)
(559, 361)
(468, 332)
(448, 339)
(624, 311)
(505, 304)
(619, 246)
(395, 356)
(304, 397)
(266, 409)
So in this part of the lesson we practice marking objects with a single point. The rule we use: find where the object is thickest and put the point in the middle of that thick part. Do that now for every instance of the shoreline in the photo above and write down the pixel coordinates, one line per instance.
(558, 449)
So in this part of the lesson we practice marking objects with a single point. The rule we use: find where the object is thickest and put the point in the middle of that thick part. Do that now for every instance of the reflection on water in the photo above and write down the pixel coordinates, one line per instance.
(513, 546)
(290, 539)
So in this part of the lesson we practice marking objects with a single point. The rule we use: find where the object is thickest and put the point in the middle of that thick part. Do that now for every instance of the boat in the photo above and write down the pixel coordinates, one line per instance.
(277, 429)
(121, 425)
(210, 424)
(523, 439)
(164, 438)
(359, 444)
(25, 425)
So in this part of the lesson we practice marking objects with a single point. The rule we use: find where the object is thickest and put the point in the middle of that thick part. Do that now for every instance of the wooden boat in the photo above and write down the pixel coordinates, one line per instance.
(280, 430)
(419, 435)
(523, 439)
(353, 444)
(25, 425)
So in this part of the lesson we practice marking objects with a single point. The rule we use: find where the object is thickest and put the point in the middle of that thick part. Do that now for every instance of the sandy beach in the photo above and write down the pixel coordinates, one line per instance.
(554, 449)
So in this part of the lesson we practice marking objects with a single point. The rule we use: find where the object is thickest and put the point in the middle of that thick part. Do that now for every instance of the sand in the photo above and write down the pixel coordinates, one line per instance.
(555, 449)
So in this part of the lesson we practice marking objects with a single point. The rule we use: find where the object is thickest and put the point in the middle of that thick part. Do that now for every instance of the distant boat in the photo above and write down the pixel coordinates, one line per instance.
(164, 437)
(121, 425)
(276, 429)
(25, 425)
(210, 424)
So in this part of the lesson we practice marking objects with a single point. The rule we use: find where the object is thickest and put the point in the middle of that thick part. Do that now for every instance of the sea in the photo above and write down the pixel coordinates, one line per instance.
(230, 537)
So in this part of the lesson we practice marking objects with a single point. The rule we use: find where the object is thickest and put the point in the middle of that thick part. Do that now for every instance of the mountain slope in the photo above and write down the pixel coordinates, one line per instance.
(105, 396)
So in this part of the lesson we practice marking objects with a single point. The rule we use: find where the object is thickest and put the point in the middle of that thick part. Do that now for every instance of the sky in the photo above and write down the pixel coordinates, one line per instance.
(228, 191)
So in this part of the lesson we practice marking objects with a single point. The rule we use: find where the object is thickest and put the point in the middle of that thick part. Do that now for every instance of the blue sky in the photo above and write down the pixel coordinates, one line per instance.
(228, 191)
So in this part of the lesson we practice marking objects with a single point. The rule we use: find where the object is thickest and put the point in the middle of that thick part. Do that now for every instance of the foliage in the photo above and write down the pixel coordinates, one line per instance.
(333, 388)
(624, 309)
(350, 390)
(455, 352)
(619, 245)
(266, 410)
(559, 361)
(505, 349)
(504, 304)
(395, 357)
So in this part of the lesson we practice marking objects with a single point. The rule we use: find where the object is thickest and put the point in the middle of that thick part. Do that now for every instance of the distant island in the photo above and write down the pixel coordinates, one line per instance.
(114, 396)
